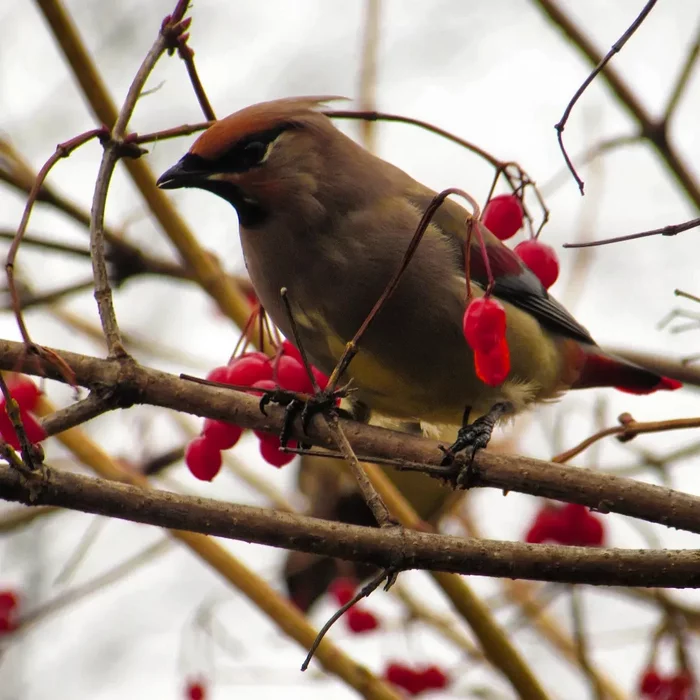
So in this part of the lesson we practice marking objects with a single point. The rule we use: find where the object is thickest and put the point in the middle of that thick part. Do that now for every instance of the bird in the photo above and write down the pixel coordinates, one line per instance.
(330, 222)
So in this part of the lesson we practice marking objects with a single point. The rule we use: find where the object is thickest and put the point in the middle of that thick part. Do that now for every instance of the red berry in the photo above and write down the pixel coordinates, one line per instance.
(493, 367)
(546, 526)
(581, 527)
(680, 686)
(33, 429)
(291, 351)
(203, 459)
(651, 682)
(247, 370)
(195, 690)
(292, 376)
(219, 374)
(541, 259)
(503, 216)
(434, 678)
(404, 677)
(221, 434)
(484, 324)
(270, 450)
(342, 589)
(24, 391)
(9, 611)
(360, 621)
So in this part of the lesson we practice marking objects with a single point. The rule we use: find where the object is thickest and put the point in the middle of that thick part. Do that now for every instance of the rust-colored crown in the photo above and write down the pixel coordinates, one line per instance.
(253, 119)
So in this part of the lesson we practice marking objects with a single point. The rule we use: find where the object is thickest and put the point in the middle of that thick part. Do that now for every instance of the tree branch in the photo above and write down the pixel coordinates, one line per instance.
(383, 547)
(604, 492)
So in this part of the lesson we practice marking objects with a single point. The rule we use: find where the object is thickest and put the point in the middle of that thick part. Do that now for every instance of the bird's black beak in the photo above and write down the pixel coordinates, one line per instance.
(183, 174)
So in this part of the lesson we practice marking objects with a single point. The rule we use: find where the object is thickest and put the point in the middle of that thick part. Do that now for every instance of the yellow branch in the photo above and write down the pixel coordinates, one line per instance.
(207, 271)
(282, 612)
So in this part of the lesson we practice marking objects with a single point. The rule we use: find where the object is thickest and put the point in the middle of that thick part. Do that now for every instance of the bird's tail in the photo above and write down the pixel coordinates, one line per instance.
(600, 369)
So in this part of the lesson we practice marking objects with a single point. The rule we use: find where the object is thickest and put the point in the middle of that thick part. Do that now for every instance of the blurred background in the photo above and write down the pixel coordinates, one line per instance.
(498, 74)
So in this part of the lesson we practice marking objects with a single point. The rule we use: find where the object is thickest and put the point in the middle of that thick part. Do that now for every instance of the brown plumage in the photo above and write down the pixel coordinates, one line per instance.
(331, 222)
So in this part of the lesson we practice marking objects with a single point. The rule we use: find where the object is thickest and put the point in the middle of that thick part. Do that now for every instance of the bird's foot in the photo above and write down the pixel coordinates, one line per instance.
(472, 438)
(304, 405)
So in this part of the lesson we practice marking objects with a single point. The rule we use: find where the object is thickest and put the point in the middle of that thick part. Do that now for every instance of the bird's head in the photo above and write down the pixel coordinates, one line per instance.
(265, 158)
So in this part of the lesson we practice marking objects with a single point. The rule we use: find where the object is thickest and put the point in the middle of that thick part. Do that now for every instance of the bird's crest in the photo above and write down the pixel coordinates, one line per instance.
(256, 118)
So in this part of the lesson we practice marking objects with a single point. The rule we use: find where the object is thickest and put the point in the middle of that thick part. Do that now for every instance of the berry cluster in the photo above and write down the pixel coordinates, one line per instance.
(195, 690)
(9, 611)
(416, 680)
(356, 618)
(503, 216)
(484, 328)
(484, 323)
(257, 371)
(26, 393)
(654, 686)
(570, 524)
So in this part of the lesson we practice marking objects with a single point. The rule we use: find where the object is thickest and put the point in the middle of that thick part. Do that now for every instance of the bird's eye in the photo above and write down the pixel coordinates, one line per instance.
(254, 152)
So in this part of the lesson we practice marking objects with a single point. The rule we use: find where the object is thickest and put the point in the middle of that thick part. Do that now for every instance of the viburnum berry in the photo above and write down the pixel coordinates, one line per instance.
(195, 690)
(342, 589)
(291, 375)
(24, 391)
(571, 524)
(434, 678)
(34, 431)
(484, 324)
(404, 677)
(541, 259)
(9, 611)
(203, 458)
(651, 682)
(291, 351)
(360, 621)
(492, 367)
(219, 374)
(680, 686)
(222, 434)
(582, 527)
(270, 450)
(248, 369)
(503, 216)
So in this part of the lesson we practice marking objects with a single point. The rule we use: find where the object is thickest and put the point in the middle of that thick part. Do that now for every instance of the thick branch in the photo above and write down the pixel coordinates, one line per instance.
(387, 547)
(604, 492)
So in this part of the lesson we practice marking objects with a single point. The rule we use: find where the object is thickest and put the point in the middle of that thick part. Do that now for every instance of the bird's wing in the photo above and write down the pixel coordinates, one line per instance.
(514, 281)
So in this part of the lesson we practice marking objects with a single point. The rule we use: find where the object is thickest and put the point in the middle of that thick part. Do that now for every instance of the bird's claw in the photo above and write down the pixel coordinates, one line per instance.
(470, 439)
(302, 405)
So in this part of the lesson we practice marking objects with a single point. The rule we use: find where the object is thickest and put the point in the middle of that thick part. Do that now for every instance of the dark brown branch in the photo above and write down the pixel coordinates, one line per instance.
(616, 48)
(650, 128)
(604, 492)
(670, 230)
(385, 548)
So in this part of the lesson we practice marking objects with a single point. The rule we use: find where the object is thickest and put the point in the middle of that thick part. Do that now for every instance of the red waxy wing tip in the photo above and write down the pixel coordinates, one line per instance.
(664, 384)
(668, 384)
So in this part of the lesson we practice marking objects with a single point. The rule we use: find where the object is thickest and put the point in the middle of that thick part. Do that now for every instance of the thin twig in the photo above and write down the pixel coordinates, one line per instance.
(352, 347)
(372, 498)
(366, 590)
(77, 414)
(682, 81)
(63, 150)
(616, 47)
(670, 230)
(627, 430)
(650, 128)
(173, 26)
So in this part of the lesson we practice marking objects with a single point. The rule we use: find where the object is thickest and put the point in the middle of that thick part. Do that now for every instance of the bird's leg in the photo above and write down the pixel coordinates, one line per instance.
(302, 404)
(474, 437)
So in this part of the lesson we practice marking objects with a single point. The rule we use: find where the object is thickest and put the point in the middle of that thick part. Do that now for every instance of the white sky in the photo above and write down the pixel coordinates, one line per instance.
(495, 73)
